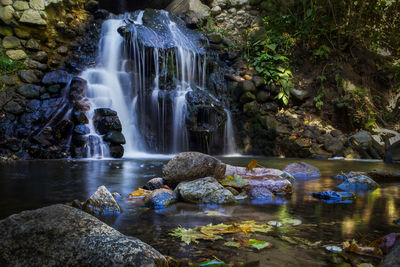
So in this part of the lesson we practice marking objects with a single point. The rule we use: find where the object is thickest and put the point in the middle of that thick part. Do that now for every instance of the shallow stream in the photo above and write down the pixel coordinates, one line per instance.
(34, 184)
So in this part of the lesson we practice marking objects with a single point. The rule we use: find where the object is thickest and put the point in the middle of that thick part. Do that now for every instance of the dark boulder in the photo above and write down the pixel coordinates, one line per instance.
(104, 112)
(393, 258)
(334, 197)
(187, 166)
(29, 90)
(81, 129)
(107, 124)
(13, 108)
(155, 183)
(57, 77)
(115, 137)
(160, 198)
(60, 235)
(101, 202)
(116, 151)
(302, 170)
(204, 191)
(80, 118)
(358, 182)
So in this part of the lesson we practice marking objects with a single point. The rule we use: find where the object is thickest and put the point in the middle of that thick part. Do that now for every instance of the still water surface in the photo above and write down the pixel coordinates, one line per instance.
(34, 184)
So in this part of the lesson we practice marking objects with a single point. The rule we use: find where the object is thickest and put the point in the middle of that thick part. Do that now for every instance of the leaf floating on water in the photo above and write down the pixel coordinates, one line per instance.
(301, 242)
(232, 244)
(294, 222)
(214, 232)
(234, 181)
(138, 193)
(253, 163)
(275, 223)
(215, 213)
(334, 249)
(370, 250)
(191, 235)
(258, 244)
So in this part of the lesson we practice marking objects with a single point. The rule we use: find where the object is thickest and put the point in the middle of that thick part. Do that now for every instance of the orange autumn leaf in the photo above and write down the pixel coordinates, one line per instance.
(140, 192)
(253, 163)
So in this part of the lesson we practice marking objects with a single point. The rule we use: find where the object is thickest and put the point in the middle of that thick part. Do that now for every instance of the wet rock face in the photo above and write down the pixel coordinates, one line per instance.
(393, 258)
(274, 184)
(101, 203)
(81, 240)
(189, 166)
(333, 196)
(204, 191)
(154, 32)
(357, 182)
(302, 170)
(205, 121)
(155, 183)
(160, 198)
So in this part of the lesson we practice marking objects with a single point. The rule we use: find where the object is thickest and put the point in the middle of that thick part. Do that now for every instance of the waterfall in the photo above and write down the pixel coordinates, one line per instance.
(229, 135)
(145, 72)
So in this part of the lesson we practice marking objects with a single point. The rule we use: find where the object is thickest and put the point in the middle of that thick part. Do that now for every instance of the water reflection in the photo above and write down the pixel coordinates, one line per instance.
(28, 185)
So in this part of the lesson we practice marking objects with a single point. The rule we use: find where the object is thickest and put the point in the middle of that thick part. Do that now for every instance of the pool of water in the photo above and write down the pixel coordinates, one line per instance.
(34, 184)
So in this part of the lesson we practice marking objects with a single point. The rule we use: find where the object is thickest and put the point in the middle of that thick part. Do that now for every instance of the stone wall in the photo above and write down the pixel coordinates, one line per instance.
(44, 43)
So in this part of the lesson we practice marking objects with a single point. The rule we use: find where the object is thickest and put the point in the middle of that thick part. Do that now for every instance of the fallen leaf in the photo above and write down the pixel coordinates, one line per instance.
(214, 213)
(253, 163)
(214, 232)
(234, 181)
(232, 244)
(352, 246)
(140, 192)
(258, 244)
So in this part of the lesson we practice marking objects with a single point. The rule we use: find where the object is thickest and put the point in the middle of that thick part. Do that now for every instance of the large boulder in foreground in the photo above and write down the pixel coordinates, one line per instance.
(60, 235)
(302, 170)
(101, 202)
(393, 258)
(204, 191)
(188, 166)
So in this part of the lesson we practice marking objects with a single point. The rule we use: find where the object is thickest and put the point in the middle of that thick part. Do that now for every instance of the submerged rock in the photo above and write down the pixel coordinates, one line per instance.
(257, 173)
(60, 235)
(161, 198)
(204, 191)
(155, 183)
(302, 170)
(333, 196)
(101, 202)
(358, 183)
(188, 166)
(274, 184)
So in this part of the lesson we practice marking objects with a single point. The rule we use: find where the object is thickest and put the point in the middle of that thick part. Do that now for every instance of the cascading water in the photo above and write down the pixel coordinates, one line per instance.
(229, 135)
(149, 64)
(108, 87)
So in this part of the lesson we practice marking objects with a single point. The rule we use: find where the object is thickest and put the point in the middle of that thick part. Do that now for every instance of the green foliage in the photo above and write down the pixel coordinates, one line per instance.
(322, 52)
(9, 65)
(269, 55)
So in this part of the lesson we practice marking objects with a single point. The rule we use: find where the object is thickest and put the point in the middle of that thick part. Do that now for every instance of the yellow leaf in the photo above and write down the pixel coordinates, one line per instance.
(140, 192)
(229, 177)
(253, 163)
